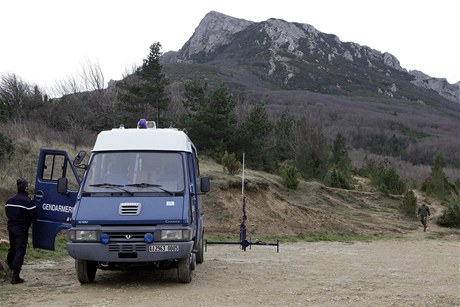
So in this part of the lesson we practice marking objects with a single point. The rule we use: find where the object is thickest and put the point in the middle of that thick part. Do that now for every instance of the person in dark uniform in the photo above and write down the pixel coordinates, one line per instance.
(423, 212)
(21, 212)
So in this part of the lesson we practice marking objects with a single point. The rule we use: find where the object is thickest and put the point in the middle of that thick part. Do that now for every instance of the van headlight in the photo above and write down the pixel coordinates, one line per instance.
(175, 235)
(83, 235)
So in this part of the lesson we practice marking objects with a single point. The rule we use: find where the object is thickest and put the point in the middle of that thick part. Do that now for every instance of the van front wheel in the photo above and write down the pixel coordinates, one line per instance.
(86, 271)
(184, 269)
(200, 253)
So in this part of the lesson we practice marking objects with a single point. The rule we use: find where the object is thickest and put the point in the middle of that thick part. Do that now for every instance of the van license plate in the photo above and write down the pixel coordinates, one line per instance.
(163, 248)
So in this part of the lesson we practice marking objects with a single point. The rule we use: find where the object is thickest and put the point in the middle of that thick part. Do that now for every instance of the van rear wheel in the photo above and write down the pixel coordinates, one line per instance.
(86, 271)
(184, 269)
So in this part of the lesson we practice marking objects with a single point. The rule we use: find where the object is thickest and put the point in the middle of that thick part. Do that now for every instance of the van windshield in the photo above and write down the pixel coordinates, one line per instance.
(135, 172)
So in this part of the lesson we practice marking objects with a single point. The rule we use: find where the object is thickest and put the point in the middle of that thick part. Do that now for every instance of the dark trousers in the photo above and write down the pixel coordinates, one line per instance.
(18, 244)
(423, 219)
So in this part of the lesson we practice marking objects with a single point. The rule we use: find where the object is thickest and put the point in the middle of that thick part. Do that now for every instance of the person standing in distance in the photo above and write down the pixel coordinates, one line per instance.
(21, 212)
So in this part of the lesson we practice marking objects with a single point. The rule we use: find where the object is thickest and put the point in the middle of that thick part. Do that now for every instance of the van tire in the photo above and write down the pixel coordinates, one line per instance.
(200, 251)
(193, 263)
(86, 271)
(184, 269)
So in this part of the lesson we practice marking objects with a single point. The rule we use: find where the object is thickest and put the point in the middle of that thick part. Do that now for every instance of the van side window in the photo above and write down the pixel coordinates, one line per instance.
(54, 167)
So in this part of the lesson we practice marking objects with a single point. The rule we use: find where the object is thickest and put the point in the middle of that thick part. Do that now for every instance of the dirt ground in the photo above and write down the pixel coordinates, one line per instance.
(415, 268)
(413, 271)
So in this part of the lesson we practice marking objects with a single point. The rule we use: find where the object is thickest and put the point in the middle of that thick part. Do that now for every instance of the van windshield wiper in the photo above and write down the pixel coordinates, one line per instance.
(111, 185)
(149, 185)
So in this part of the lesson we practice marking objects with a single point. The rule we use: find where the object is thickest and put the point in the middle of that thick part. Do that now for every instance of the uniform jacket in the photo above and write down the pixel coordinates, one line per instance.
(20, 210)
(424, 211)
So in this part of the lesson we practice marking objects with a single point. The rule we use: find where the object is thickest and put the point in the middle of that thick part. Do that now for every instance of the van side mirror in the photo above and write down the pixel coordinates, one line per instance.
(79, 158)
(62, 185)
(205, 184)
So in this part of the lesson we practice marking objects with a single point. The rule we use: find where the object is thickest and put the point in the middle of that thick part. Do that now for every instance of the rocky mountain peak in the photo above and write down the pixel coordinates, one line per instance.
(391, 61)
(288, 34)
(215, 29)
(294, 55)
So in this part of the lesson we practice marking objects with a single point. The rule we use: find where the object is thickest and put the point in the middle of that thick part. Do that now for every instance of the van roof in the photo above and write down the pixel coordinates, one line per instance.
(168, 139)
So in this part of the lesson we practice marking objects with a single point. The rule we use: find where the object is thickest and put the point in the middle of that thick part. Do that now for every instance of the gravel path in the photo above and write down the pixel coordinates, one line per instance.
(406, 272)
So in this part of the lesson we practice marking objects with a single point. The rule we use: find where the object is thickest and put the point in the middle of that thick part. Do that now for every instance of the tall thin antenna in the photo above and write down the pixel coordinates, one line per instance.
(243, 241)
(242, 182)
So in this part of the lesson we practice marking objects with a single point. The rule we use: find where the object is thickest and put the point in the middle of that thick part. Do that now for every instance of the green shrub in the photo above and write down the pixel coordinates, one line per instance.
(385, 178)
(457, 186)
(409, 204)
(230, 163)
(337, 179)
(290, 177)
(6, 147)
(437, 184)
(451, 216)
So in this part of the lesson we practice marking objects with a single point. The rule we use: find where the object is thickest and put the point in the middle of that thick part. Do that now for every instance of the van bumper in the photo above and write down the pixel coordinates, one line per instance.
(135, 252)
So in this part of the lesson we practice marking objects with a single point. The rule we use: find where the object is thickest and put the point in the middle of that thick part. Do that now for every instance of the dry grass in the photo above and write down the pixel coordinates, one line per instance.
(275, 210)
(28, 139)
(272, 209)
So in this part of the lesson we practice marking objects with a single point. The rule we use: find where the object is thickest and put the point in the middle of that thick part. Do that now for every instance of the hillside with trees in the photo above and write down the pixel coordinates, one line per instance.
(296, 144)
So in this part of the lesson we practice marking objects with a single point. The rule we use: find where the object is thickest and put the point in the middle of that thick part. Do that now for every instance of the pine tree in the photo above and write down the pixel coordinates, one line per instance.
(385, 178)
(409, 204)
(310, 148)
(339, 175)
(195, 94)
(255, 138)
(437, 184)
(144, 94)
(283, 132)
(213, 124)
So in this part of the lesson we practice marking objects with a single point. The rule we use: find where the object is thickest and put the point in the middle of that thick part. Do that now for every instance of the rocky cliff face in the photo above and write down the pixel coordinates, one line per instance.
(298, 56)
(214, 30)
(440, 85)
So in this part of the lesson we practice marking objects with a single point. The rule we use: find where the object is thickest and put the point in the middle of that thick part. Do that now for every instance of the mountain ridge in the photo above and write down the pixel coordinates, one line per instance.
(339, 86)
(282, 51)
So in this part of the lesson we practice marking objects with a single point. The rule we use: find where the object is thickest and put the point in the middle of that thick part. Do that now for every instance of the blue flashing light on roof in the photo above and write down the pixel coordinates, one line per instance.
(142, 124)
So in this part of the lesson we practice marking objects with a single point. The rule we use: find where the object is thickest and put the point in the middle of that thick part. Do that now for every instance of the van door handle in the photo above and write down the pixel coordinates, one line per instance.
(39, 195)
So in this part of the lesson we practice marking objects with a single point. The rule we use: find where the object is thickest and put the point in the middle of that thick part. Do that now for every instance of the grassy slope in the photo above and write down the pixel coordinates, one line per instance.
(23, 163)
(272, 209)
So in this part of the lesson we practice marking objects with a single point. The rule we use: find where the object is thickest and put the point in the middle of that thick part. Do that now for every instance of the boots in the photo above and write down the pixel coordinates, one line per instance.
(16, 279)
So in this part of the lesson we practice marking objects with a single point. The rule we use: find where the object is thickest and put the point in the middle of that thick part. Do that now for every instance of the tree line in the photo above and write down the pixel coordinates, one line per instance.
(218, 123)
(210, 116)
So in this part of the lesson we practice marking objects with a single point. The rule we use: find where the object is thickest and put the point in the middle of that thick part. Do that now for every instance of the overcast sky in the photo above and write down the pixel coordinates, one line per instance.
(44, 41)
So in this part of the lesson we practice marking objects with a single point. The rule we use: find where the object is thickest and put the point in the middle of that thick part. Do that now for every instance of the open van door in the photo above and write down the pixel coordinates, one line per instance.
(54, 206)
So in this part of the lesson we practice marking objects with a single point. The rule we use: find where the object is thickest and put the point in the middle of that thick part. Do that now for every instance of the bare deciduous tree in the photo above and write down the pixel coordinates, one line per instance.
(14, 93)
(89, 78)
(92, 76)
(129, 71)
(176, 108)
(65, 87)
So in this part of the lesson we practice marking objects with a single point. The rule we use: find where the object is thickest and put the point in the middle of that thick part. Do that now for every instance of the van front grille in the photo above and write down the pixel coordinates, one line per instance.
(129, 208)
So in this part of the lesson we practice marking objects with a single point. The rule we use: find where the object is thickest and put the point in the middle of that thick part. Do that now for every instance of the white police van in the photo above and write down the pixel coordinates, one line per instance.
(137, 204)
